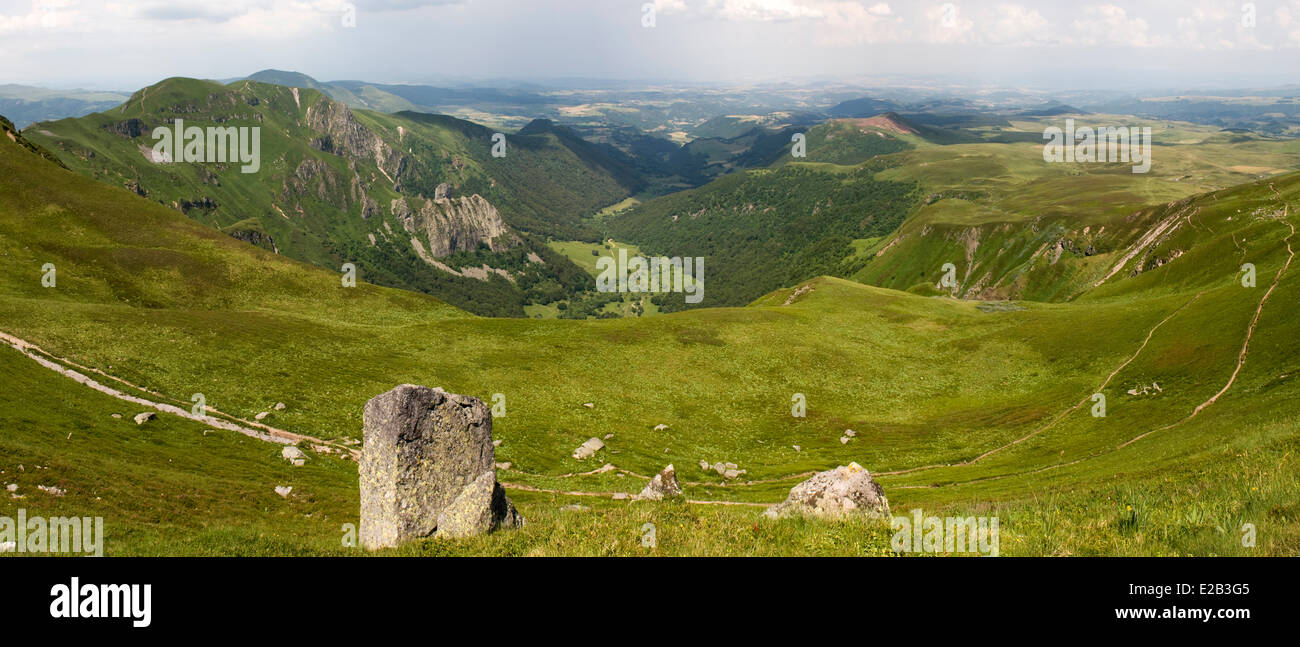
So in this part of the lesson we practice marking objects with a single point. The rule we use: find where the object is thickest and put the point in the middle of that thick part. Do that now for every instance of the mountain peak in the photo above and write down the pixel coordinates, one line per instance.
(286, 78)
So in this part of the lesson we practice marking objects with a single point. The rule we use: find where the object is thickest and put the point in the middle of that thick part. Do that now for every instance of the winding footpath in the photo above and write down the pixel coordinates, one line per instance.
(259, 431)
(225, 422)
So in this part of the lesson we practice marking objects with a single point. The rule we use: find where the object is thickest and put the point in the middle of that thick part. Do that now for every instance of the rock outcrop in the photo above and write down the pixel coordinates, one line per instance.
(428, 466)
(343, 135)
(456, 224)
(662, 486)
(835, 494)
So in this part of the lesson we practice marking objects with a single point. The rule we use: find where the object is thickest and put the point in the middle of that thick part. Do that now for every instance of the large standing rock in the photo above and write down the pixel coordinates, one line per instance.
(425, 452)
(835, 494)
(663, 485)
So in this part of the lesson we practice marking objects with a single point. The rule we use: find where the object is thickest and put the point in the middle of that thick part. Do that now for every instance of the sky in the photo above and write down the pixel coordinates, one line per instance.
(1050, 44)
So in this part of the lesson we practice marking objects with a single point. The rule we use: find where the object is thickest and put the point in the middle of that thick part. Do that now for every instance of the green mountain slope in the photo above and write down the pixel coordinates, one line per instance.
(385, 192)
(761, 230)
(956, 407)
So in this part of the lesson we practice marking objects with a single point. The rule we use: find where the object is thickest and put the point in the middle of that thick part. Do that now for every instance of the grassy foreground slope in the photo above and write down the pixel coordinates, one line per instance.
(146, 295)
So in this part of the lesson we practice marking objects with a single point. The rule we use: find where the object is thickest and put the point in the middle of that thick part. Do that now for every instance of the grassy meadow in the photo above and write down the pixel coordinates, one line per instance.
(991, 403)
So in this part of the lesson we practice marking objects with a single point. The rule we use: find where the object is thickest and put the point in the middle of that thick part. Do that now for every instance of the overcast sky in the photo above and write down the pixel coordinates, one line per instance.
(127, 44)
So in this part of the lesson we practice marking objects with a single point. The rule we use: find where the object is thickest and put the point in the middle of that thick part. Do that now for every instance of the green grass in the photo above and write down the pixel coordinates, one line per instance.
(146, 294)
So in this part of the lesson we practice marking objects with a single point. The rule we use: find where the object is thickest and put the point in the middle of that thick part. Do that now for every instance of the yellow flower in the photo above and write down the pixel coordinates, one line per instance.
(1130, 508)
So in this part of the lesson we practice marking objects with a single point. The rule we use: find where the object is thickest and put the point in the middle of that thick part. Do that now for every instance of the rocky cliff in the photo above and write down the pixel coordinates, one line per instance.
(456, 224)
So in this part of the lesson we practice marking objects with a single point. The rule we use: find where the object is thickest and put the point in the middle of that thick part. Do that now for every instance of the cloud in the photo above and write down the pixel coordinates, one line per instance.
(1015, 25)
(1111, 25)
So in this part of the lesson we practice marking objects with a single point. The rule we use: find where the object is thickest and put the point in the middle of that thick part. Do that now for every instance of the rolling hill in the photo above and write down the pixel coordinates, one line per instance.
(413, 200)
(958, 405)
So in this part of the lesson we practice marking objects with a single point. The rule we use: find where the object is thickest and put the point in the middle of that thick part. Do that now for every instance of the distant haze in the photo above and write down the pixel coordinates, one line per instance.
(1051, 44)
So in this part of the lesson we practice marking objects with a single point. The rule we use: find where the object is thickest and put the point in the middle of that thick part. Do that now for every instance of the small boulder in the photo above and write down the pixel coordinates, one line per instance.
(660, 427)
(291, 453)
(141, 418)
(663, 485)
(261, 416)
(588, 449)
(116, 416)
(835, 494)
(279, 406)
(283, 490)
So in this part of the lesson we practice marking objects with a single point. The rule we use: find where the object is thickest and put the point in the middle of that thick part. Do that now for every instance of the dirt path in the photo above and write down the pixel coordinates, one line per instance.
(225, 422)
(271, 434)
(1063, 414)
(1250, 330)
(1241, 363)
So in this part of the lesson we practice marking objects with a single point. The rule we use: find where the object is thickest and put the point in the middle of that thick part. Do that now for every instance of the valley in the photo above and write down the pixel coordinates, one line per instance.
(957, 405)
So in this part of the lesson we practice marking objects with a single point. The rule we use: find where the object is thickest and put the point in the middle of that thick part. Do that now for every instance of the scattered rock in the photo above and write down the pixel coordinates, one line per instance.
(261, 416)
(660, 427)
(496, 443)
(116, 416)
(798, 293)
(797, 448)
(843, 491)
(573, 507)
(279, 406)
(283, 490)
(664, 484)
(589, 405)
(609, 436)
(505, 466)
(141, 418)
(704, 465)
(588, 449)
(426, 451)
(620, 496)
(731, 474)
(52, 490)
(291, 453)
(298, 462)
(850, 433)
(844, 440)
